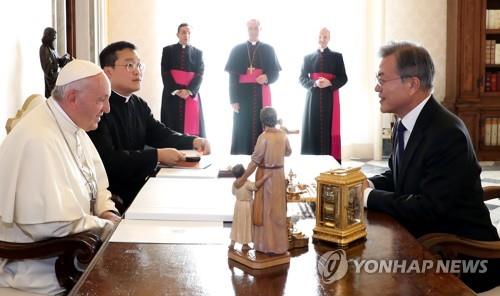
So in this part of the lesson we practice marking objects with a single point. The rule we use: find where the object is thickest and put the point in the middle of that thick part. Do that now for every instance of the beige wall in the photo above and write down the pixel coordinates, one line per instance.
(133, 21)
(422, 21)
(22, 23)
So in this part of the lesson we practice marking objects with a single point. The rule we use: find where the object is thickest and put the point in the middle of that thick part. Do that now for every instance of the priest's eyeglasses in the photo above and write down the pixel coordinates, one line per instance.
(132, 66)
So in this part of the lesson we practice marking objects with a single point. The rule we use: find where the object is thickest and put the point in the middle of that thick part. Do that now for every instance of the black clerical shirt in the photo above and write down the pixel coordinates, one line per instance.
(121, 140)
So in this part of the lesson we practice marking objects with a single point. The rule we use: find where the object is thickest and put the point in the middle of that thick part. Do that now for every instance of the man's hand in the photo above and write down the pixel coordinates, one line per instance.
(365, 185)
(236, 107)
(201, 145)
(108, 215)
(262, 79)
(169, 155)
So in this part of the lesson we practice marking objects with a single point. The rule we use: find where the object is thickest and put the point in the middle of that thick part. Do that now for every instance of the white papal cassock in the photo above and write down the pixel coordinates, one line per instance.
(43, 194)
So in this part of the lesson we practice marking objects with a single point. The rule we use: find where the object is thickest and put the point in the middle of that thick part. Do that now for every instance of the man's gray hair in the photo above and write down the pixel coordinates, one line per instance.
(412, 60)
(268, 117)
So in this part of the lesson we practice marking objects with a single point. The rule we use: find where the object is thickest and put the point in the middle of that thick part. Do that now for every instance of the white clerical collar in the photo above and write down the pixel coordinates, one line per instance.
(125, 97)
(183, 45)
(253, 42)
(322, 49)
(68, 122)
(410, 119)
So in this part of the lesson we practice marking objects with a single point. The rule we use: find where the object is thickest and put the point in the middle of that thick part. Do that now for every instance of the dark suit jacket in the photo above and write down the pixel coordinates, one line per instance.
(439, 187)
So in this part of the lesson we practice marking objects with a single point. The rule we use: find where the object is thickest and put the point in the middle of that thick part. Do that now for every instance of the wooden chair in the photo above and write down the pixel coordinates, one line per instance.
(80, 246)
(449, 246)
(30, 103)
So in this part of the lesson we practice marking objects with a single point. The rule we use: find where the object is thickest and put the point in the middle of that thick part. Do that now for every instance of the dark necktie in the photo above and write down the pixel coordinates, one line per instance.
(400, 143)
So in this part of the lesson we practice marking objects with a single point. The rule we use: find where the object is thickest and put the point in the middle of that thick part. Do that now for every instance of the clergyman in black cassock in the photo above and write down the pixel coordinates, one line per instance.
(182, 70)
(130, 141)
(322, 74)
(249, 63)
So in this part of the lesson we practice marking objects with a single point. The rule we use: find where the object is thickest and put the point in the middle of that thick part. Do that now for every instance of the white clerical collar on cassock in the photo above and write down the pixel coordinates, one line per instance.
(67, 123)
(322, 49)
(183, 45)
(125, 97)
(253, 42)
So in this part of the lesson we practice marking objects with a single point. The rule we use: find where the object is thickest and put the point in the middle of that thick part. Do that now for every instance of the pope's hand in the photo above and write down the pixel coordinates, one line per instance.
(108, 215)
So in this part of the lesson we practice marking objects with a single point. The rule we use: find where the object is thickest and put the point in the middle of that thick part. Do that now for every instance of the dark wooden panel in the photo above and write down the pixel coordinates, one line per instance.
(160, 269)
(471, 121)
(469, 49)
(71, 28)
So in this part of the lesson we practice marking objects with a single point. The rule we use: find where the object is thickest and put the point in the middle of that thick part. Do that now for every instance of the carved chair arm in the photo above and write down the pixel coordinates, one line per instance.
(80, 246)
(449, 246)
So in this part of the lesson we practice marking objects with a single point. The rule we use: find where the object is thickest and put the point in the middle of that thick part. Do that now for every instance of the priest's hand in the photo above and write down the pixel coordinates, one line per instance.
(201, 145)
(169, 155)
(323, 82)
(236, 107)
(261, 79)
(109, 215)
(183, 93)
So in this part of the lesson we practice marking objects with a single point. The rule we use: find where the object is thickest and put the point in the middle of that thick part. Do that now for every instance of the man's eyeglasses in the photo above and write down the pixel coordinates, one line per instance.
(380, 82)
(132, 66)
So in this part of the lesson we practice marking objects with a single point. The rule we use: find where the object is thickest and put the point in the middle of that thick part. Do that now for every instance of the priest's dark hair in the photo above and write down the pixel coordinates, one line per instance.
(238, 170)
(268, 116)
(182, 25)
(108, 57)
(412, 60)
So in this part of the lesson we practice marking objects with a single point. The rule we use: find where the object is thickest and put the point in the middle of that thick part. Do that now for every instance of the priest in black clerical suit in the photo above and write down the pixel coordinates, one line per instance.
(322, 74)
(433, 183)
(130, 141)
(182, 73)
(252, 66)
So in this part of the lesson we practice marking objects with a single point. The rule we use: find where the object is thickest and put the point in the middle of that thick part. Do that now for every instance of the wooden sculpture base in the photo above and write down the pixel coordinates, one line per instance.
(297, 240)
(257, 260)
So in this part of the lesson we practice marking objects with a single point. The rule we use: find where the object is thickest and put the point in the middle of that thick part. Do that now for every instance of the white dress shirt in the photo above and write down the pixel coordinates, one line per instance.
(409, 121)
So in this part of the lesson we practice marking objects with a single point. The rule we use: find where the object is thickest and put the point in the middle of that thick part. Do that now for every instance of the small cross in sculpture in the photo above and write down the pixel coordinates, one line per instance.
(291, 175)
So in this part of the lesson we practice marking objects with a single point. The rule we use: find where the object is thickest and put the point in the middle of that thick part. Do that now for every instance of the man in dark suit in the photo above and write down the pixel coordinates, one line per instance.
(433, 183)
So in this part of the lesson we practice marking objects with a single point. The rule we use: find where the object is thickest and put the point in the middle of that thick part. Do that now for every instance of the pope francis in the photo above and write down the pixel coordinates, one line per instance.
(52, 180)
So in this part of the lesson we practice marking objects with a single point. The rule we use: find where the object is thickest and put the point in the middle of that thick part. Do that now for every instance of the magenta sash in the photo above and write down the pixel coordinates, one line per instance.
(192, 104)
(252, 78)
(335, 129)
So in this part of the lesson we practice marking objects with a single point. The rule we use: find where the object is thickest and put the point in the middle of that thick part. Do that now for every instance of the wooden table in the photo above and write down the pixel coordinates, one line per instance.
(160, 269)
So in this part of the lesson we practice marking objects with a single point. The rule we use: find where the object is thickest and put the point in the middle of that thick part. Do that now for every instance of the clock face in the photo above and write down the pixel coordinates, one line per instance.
(330, 199)
(354, 205)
